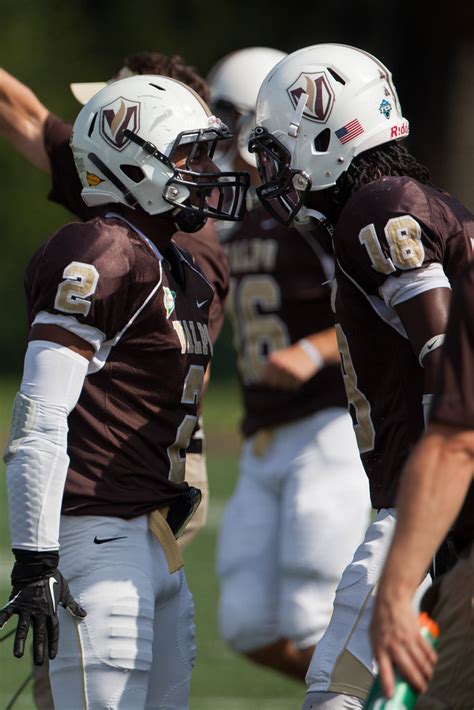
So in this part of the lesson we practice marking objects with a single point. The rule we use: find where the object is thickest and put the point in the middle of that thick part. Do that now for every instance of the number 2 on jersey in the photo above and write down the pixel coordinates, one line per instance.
(80, 282)
(191, 393)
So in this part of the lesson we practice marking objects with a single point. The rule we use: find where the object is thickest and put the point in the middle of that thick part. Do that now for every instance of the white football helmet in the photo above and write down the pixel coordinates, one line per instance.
(316, 110)
(234, 83)
(125, 141)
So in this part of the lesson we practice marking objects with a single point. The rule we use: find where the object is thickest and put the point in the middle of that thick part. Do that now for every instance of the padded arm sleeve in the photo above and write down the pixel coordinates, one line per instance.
(36, 453)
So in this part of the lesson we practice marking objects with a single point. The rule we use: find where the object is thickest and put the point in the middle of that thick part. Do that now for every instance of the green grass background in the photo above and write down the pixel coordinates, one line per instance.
(221, 680)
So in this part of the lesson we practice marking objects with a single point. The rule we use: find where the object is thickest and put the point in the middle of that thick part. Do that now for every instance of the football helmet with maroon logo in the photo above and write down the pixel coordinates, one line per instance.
(128, 138)
(316, 110)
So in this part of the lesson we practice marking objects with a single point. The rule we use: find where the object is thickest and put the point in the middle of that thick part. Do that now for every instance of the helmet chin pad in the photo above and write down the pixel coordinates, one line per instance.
(189, 220)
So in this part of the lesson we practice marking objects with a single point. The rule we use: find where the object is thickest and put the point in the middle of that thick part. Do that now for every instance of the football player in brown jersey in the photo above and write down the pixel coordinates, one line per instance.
(117, 351)
(327, 139)
(43, 139)
(436, 496)
(301, 503)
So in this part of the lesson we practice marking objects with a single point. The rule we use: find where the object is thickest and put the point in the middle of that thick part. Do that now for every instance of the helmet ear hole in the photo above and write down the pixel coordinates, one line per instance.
(133, 172)
(321, 142)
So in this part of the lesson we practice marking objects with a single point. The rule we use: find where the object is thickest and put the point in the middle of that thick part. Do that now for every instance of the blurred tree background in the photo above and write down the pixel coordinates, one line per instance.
(49, 43)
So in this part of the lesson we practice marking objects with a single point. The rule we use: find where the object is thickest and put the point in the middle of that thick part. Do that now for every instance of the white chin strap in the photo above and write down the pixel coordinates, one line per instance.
(306, 217)
(36, 453)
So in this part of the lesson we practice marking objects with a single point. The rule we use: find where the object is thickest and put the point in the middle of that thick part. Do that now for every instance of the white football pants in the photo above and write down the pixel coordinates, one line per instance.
(136, 647)
(299, 511)
(342, 669)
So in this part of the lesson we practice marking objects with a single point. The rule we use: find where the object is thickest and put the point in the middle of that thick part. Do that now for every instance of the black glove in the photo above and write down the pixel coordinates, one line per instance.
(38, 588)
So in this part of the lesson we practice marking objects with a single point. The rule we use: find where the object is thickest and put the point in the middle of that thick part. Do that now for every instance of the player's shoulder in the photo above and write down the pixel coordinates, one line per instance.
(384, 198)
(108, 246)
(391, 197)
(110, 240)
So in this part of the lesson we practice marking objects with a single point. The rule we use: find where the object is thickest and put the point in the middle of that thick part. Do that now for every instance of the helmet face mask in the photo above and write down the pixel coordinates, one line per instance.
(198, 192)
(325, 104)
(219, 195)
(283, 189)
(127, 139)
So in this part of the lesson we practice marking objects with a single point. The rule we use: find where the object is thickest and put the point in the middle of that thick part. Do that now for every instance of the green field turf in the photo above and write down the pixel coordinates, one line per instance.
(221, 681)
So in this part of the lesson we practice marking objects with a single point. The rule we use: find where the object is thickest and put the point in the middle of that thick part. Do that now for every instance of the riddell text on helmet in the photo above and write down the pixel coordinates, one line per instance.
(402, 129)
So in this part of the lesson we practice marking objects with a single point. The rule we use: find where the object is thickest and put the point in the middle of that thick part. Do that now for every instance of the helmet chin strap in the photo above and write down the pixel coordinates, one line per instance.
(297, 116)
(188, 220)
(130, 200)
(304, 220)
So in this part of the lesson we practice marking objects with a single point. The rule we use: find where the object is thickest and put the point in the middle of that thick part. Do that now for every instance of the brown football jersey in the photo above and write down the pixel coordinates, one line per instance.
(453, 401)
(279, 293)
(393, 233)
(147, 316)
(66, 190)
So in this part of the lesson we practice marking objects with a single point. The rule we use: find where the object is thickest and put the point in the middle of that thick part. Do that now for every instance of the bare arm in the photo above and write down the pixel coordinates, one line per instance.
(423, 317)
(434, 484)
(56, 334)
(432, 490)
(22, 119)
(291, 367)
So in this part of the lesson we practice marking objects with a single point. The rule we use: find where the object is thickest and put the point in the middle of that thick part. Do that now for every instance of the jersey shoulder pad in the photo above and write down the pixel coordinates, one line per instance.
(385, 198)
(387, 228)
(86, 271)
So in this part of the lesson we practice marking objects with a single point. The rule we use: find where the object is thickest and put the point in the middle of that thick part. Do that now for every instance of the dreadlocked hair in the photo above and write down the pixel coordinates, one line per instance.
(387, 160)
(172, 66)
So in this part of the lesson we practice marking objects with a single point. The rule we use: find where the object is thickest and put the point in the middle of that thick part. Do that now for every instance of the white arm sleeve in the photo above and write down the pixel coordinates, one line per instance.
(398, 289)
(36, 453)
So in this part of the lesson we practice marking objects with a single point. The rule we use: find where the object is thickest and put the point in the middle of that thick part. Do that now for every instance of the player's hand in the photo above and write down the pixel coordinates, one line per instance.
(287, 369)
(397, 641)
(36, 603)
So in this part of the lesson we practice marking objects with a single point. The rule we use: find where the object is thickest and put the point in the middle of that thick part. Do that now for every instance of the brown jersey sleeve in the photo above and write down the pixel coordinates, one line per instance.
(66, 187)
(83, 271)
(453, 401)
(395, 226)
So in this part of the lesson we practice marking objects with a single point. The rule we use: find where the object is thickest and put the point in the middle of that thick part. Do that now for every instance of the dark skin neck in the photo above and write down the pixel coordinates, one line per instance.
(158, 228)
(320, 200)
